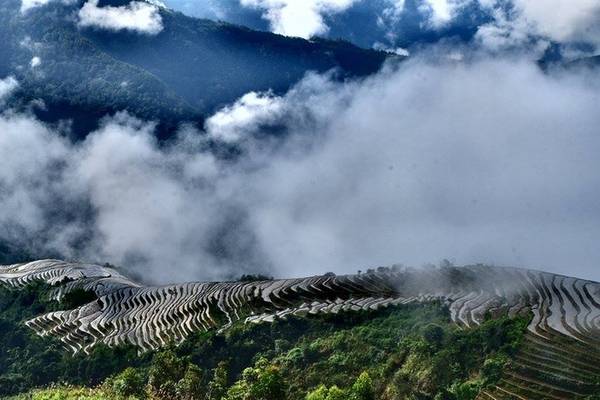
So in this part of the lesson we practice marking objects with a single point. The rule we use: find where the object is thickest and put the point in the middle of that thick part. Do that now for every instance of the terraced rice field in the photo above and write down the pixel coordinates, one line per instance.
(560, 358)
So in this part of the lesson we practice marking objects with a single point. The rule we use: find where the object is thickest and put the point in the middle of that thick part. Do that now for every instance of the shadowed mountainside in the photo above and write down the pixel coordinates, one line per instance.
(184, 72)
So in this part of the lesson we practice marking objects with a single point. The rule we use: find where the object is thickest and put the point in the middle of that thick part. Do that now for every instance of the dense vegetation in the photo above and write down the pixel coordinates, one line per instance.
(27, 360)
(411, 352)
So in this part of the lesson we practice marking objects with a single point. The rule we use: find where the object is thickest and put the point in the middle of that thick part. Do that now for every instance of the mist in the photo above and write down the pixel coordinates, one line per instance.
(485, 160)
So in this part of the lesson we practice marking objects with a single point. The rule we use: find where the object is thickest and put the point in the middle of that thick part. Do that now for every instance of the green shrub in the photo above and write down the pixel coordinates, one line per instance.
(492, 369)
(322, 393)
(466, 390)
(261, 382)
(130, 382)
(319, 393)
(363, 388)
(217, 388)
(67, 393)
(77, 298)
(190, 387)
(335, 393)
(434, 335)
(165, 372)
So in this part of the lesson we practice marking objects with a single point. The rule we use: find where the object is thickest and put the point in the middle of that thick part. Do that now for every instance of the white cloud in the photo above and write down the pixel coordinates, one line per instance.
(137, 16)
(29, 152)
(558, 20)
(397, 6)
(518, 22)
(440, 11)
(511, 35)
(563, 20)
(27, 5)
(137, 204)
(35, 62)
(396, 50)
(481, 161)
(401, 51)
(162, 213)
(302, 18)
(437, 13)
(158, 3)
(485, 162)
(30, 44)
(7, 87)
(532, 24)
(254, 113)
(248, 113)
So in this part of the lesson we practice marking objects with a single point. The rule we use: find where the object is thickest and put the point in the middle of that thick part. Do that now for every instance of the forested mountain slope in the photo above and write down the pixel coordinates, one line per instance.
(185, 71)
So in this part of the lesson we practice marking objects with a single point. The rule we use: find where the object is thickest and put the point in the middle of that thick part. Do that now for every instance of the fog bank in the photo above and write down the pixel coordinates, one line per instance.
(484, 160)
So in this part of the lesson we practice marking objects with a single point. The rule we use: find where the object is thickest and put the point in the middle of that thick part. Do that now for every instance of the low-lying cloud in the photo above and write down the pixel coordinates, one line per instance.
(246, 114)
(532, 25)
(7, 88)
(477, 161)
(137, 16)
(503, 25)
(27, 5)
(562, 20)
(515, 23)
(440, 12)
(298, 18)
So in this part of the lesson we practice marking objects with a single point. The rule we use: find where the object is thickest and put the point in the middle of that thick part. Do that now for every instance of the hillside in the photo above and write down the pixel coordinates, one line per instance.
(187, 70)
(439, 333)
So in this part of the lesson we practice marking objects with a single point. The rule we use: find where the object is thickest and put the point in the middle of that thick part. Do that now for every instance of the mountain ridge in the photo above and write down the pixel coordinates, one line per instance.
(183, 73)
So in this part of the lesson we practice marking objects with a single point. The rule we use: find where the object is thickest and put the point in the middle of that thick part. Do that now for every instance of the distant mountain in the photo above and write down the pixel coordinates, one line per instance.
(365, 23)
(186, 71)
